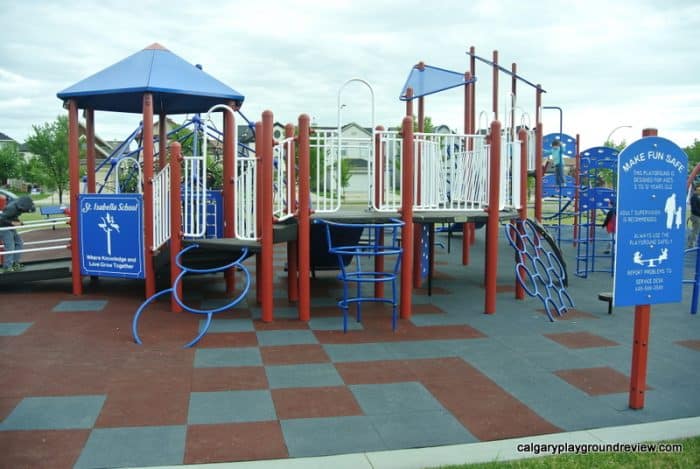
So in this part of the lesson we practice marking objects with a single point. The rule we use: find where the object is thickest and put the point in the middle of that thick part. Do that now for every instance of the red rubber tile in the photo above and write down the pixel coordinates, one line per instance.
(576, 340)
(596, 381)
(295, 403)
(570, 314)
(228, 379)
(691, 344)
(234, 442)
(57, 449)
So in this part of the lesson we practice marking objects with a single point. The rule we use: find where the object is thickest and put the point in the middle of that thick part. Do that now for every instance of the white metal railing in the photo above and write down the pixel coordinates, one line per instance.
(44, 245)
(450, 174)
(246, 207)
(531, 147)
(390, 182)
(326, 147)
(161, 207)
(283, 194)
(194, 196)
(509, 196)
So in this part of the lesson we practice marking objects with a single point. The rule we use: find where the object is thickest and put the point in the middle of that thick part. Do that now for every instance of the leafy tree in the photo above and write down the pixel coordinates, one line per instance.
(693, 152)
(49, 144)
(618, 146)
(10, 162)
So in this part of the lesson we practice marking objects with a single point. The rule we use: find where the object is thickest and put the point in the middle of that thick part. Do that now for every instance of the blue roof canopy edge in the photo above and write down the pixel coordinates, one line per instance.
(426, 79)
(178, 87)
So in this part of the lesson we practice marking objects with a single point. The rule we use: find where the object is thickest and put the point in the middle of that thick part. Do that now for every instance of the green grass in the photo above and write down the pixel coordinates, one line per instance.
(688, 458)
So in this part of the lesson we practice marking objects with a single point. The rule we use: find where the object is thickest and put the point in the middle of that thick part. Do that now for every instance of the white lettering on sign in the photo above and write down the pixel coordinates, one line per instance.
(653, 155)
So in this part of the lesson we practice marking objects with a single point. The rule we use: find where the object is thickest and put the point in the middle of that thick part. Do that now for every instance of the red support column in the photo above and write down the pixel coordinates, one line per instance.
(148, 193)
(492, 223)
(538, 172)
(640, 348)
(229, 189)
(468, 130)
(495, 85)
(640, 345)
(522, 212)
(162, 140)
(90, 149)
(407, 216)
(304, 227)
(175, 219)
(378, 195)
(74, 172)
(417, 234)
(266, 241)
(577, 194)
(258, 204)
(292, 261)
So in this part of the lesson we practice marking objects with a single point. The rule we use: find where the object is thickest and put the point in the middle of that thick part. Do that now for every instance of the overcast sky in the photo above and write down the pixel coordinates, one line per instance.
(605, 63)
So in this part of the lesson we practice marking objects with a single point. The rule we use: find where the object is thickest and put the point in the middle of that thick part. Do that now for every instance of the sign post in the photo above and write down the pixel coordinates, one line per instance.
(650, 243)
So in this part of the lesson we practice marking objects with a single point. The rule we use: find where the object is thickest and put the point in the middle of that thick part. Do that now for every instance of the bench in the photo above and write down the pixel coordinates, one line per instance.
(606, 296)
(52, 210)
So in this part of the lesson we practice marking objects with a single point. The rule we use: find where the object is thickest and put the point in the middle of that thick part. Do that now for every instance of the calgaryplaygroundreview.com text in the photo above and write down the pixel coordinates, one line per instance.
(584, 448)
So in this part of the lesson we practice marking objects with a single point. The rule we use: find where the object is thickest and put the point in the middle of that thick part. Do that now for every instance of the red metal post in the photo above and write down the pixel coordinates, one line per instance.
(513, 97)
(148, 193)
(304, 226)
(640, 345)
(468, 130)
(292, 261)
(522, 212)
(577, 182)
(492, 223)
(378, 195)
(74, 172)
(258, 204)
(407, 216)
(175, 218)
(538, 172)
(495, 85)
(417, 234)
(162, 140)
(266, 241)
(229, 190)
(90, 150)
(640, 348)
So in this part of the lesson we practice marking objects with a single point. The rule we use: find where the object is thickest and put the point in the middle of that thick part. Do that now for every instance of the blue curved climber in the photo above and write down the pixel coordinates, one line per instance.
(538, 269)
(209, 312)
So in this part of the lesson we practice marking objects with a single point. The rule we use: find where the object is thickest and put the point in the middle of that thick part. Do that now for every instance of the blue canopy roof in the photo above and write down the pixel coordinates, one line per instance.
(425, 80)
(178, 87)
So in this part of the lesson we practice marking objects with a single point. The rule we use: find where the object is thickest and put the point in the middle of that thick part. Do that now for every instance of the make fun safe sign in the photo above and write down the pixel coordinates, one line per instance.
(651, 214)
(111, 235)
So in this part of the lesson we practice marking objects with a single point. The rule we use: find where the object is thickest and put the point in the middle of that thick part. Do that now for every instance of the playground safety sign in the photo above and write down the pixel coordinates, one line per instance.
(651, 216)
(111, 235)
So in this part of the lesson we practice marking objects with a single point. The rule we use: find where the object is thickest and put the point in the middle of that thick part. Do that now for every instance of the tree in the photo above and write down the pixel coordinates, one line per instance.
(49, 144)
(693, 152)
(10, 163)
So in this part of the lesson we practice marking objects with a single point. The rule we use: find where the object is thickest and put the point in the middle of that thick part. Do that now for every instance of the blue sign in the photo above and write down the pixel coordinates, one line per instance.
(651, 216)
(111, 235)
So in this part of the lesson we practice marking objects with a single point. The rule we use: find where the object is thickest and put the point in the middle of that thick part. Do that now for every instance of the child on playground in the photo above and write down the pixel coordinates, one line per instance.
(558, 160)
(9, 218)
(610, 224)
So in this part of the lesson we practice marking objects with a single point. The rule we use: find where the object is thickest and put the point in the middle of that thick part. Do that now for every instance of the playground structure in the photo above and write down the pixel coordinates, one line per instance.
(478, 175)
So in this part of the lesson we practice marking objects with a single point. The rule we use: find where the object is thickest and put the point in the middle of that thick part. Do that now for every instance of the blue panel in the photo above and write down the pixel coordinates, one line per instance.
(431, 80)
(596, 198)
(599, 158)
(178, 86)
(568, 142)
(111, 235)
(651, 218)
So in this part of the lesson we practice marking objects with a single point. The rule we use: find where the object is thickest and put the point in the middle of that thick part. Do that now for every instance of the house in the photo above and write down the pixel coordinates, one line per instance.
(6, 141)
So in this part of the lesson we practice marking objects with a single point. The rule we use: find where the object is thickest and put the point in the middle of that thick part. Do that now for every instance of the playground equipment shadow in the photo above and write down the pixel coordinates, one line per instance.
(76, 391)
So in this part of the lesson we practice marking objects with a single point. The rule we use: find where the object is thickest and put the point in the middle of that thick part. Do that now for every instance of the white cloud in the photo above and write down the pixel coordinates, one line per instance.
(605, 63)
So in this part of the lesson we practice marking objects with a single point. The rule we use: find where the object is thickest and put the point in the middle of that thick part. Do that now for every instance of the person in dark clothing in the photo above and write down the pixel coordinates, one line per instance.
(610, 224)
(12, 241)
(694, 217)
